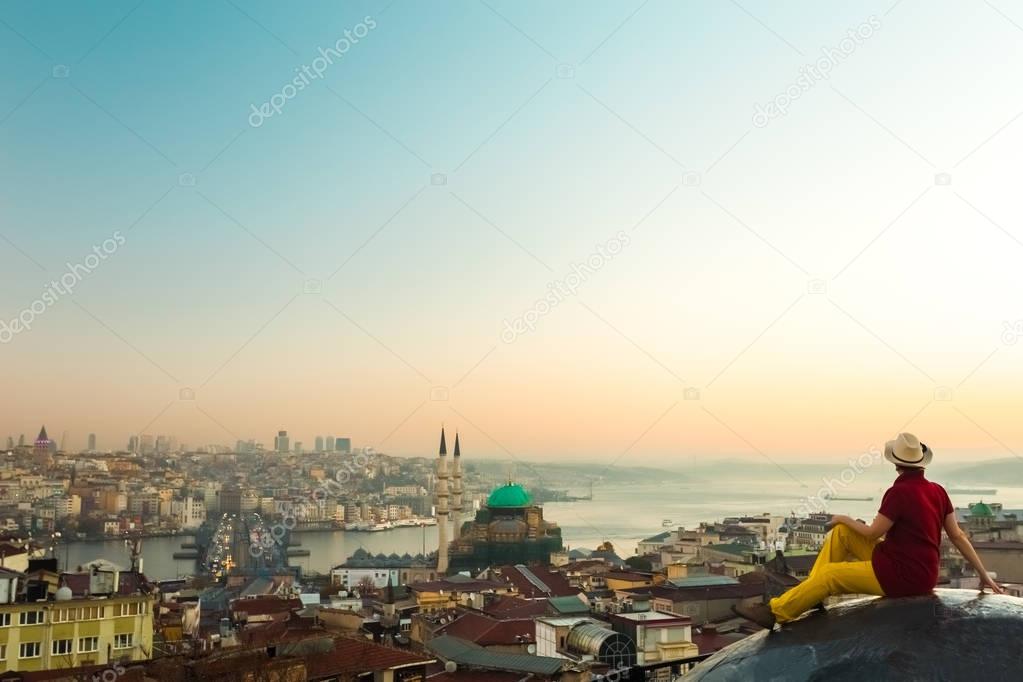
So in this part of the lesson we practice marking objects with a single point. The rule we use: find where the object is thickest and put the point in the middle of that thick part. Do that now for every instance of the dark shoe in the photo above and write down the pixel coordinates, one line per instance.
(821, 607)
(760, 614)
(774, 585)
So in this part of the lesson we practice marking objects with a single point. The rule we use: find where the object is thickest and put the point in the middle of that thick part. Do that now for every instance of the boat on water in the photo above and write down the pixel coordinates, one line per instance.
(972, 491)
(841, 498)
(666, 523)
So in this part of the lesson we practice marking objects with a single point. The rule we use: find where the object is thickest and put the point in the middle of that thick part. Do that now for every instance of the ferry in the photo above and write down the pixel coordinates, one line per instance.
(666, 523)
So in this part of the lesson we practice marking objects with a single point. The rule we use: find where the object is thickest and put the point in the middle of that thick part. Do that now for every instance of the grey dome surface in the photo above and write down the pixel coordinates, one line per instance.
(950, 635)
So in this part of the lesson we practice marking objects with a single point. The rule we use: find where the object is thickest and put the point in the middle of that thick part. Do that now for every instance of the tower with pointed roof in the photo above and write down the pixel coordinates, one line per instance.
(456, 490)
(442, 506)
(43, 445)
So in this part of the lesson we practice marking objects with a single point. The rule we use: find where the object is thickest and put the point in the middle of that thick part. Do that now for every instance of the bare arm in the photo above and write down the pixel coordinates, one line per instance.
(962, 543)
(881, 525)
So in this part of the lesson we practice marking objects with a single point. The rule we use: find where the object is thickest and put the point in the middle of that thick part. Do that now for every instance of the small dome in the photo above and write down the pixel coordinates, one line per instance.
(509, 495)
(980, 509)
(64, 594)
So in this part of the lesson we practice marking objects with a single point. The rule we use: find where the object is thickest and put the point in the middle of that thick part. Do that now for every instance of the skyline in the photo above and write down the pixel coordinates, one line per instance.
(685, 271)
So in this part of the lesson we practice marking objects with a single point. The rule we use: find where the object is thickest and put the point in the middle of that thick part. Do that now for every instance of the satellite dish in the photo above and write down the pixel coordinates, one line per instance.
(531, 649)
(450, 666)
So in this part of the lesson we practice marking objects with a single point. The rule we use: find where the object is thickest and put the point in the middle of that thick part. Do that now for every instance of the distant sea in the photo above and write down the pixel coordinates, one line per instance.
(623, 513)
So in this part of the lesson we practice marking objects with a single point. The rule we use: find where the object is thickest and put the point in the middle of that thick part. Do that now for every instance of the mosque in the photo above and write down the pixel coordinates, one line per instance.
(508, 529)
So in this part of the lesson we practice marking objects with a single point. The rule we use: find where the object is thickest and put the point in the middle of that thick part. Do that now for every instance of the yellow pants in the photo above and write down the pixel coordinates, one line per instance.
(832, 574)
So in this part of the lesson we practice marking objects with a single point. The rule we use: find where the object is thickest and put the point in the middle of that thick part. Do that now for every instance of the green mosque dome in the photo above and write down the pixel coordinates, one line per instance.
(980, 509)
(509, 495)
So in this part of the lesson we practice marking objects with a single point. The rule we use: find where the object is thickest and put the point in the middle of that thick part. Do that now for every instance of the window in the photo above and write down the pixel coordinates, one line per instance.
(88, 645)
(123, 641)
(30, 650)
(3, 651)
(31, 618)
(128, 609)
(64, 615)
(91, 612)
(5, 619)
(61, 646)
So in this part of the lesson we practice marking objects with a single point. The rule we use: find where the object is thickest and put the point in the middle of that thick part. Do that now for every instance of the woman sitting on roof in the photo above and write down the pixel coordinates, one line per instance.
(855, 560)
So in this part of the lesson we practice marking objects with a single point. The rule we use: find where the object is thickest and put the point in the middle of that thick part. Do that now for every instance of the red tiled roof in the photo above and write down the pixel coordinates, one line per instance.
(359, 656)
(264, 606)
(709, 640)
(555, 580)
(487, 631)
(515, 607)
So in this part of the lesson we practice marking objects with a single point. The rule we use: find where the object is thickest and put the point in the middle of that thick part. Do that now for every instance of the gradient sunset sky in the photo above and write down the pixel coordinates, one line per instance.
(798, 289)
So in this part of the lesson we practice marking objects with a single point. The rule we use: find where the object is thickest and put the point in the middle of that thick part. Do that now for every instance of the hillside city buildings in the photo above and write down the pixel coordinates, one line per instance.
(498, 597)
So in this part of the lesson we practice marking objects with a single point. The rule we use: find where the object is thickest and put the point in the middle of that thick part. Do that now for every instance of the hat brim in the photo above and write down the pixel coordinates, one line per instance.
(889, 454)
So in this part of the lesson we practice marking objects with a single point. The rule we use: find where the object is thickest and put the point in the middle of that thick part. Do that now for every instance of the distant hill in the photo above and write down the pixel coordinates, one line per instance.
(570, 474)
(1008, 471)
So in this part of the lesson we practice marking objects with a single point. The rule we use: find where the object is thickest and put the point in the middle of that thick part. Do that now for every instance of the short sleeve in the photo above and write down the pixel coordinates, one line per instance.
(946, 504)
(891, 505)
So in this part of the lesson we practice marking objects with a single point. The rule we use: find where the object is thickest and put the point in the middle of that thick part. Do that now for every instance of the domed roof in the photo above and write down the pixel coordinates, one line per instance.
(509, 495)
(980, 509)
(948, 635)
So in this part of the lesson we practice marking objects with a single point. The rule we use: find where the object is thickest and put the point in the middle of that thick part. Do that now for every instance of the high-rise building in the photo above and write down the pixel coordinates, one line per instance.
(21, 441)
(282, 443)
(133, 445)
(298, 447)
(330, 443)
(92, 443)
(146, 444)
(343, 445)
(10, 442)
(319, 444)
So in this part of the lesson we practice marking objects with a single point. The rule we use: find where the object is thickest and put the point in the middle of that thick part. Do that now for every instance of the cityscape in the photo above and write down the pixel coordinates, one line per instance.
(510, 341)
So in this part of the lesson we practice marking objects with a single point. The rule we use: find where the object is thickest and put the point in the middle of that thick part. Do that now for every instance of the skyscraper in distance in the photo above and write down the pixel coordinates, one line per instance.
(282, 443)
(343, 445)
(319, 444)
(92, 443)
(330, 443)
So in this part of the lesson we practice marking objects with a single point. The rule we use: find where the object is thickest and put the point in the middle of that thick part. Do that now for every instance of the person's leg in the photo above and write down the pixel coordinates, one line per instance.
(850, 577)
(840, 544)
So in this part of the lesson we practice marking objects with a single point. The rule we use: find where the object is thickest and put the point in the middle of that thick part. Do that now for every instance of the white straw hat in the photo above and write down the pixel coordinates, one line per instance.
(907, 451)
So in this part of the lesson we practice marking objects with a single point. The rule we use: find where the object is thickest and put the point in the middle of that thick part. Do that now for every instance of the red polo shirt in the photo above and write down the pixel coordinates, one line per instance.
(906, 562)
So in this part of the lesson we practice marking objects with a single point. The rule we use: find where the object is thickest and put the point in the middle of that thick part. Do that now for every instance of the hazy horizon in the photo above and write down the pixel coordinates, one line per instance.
(578, 230)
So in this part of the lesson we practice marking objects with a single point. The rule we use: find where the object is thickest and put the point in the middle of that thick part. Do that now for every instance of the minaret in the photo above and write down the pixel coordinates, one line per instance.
(442, 507)
(456, 490)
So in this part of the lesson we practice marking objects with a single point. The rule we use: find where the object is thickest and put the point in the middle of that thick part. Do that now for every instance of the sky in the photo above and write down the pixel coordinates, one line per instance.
(636, 232)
